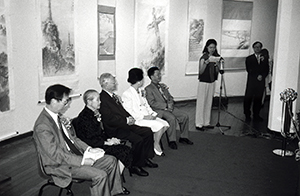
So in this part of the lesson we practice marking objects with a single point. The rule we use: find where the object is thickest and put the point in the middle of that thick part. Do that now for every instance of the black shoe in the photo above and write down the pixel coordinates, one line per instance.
(138, 171)
(150, 164)
(186, 141)
(208, 127)
(200, 128)
(173, 145)
(258, 119)
(248, 118)
(125, 191)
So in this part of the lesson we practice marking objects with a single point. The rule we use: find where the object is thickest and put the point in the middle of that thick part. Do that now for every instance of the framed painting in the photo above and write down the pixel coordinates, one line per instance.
(106, 33)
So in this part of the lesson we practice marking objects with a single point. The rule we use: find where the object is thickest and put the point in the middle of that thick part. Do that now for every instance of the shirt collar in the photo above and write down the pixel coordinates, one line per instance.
(53, 115)
(110, 94)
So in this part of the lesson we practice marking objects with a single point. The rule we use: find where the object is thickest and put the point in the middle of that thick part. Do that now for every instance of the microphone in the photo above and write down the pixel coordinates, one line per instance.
(221, 65)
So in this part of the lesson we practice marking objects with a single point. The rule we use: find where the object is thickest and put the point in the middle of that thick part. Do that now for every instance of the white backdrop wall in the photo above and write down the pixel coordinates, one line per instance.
(25, 51)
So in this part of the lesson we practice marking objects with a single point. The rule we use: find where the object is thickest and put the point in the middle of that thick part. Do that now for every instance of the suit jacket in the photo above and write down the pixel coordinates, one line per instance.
(254, 69)
(155, 98)
(51, 146)
(136, 104)
(114, 116)
(88, 128)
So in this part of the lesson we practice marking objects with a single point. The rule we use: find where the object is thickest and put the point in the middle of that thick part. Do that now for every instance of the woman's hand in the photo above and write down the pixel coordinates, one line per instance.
(112, 141)
(207, 61)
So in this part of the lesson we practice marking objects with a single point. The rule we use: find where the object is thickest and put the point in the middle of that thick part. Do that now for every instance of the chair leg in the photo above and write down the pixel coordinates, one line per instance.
(123, 177)
(42, 188)
(161, 145)
(68, 189)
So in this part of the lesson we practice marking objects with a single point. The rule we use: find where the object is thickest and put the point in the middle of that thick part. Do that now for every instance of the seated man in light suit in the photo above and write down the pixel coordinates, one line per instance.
(162, 102)
(65, 156)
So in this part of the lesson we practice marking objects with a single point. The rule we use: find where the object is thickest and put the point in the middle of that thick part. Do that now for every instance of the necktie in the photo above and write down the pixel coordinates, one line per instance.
(258, 59)
(162, 92)
(114, 96)
(72, 147)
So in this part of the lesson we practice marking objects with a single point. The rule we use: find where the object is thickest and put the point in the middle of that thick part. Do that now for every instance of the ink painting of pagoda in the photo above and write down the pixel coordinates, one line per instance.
(58, 37)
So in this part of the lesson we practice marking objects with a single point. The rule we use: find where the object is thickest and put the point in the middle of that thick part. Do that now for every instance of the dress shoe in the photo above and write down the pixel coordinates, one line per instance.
(173, 145)
(208, 127)
(159, 153)
(200, 128)
(186, 141)
(138, 171)
(150, 164)
(258, 119)
(125, 191)
(248, 119)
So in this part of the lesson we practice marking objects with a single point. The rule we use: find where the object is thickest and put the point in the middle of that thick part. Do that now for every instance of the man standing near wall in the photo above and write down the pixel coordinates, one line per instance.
(258, 68)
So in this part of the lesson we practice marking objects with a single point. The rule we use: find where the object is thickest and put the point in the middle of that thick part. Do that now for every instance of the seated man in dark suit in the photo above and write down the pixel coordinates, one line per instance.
(65, 156)
(162, 102)
(118, 123)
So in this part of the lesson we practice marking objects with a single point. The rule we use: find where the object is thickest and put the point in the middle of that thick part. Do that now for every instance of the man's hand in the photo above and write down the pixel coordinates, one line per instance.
(88, 161)
(130, 120)
(170, 107)
(259, 77)
(96, 150)
(149, 117)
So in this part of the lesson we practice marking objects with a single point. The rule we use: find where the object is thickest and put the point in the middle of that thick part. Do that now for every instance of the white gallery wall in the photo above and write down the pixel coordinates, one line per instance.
(24, 29)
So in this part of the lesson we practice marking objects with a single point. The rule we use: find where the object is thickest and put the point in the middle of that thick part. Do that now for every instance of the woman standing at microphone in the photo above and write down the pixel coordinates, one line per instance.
(208, 73)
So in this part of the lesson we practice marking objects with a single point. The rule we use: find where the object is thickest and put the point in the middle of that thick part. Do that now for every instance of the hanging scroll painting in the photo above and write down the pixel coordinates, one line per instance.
(5, 68)
(58, 54)
(236, 33)
(196, 21)
(151, 33)
(107, 33)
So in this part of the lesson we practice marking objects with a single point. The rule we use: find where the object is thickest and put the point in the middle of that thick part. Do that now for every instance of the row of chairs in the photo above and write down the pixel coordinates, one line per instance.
(68, 189)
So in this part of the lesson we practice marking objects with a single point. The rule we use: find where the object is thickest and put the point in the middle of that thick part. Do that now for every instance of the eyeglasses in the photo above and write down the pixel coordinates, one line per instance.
(65, 102)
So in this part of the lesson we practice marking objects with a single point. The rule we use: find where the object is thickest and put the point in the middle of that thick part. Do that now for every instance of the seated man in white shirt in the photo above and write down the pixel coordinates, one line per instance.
(65, 156)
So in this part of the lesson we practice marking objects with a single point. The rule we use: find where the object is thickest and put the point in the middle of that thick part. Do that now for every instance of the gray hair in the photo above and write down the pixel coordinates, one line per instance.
(103, 79)
(88, 95)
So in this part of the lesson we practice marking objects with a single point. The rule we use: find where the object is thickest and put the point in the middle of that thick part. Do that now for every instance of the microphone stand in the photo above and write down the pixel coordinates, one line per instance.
(220, 96)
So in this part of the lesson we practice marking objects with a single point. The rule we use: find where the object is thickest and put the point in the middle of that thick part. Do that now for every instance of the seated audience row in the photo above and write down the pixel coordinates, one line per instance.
(140, 117)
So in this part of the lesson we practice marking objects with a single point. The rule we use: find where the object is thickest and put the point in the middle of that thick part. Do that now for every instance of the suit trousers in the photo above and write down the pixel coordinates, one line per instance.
(254, 92)
(174, 117)
(204, 102)
(142, 143)
(105, 176)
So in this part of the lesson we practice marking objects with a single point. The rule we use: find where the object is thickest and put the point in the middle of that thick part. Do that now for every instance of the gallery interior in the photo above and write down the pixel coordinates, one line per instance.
(237, 158)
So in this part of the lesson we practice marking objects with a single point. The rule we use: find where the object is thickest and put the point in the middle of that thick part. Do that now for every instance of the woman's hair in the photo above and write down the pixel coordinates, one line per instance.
(57, 92)
(265, 53)
(135, 75)
(89, 95)
(208, 42)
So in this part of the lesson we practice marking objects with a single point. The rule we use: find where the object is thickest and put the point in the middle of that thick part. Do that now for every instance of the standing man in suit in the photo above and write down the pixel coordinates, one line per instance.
(119, 123)
(258, 68)
(65, 156)
(162, 102)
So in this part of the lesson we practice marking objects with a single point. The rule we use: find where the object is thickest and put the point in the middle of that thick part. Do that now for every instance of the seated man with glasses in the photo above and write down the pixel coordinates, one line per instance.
(65, 156)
